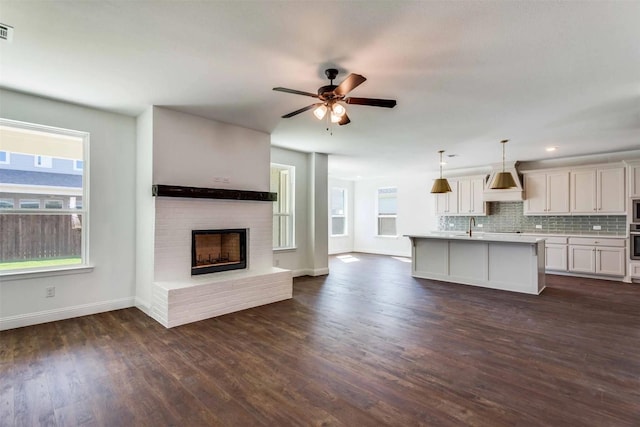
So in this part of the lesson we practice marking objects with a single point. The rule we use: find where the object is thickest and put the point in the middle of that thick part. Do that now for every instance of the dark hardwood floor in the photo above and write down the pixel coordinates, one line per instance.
(367, 345)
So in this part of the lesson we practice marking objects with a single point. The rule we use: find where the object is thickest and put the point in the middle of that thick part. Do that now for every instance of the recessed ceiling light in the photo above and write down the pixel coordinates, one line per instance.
(551, 149)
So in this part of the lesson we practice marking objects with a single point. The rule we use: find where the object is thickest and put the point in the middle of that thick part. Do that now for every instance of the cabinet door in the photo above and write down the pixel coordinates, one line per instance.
(610, 261)
(558, 192)
(634, 180)
(535, 187)
(464, 197)
(556, 257)
(582, 259)
(447, 203)
(442, 203)
(611, 191)
(452, 198)
(634, 269)
(477, 197)
(583, 191)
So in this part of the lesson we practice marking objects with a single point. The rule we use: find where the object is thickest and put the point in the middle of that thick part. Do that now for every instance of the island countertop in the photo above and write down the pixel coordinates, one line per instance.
(483, 237)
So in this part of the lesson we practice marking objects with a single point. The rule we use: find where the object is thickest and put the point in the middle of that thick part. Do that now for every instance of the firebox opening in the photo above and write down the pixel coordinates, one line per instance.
(218, 250)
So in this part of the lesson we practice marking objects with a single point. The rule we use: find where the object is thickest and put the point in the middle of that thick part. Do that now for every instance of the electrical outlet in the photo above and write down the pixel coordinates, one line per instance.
(539, 227)
(225, 180)
(451, 224)
(479, 225)
(217, 179)
(50, 292)
(597, 227)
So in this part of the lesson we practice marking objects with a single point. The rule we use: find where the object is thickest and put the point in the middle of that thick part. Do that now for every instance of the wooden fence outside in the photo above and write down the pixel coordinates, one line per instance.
(33, 237)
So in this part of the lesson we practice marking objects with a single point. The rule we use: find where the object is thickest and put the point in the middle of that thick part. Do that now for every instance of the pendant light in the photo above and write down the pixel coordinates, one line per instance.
(440, 185)
(503, 180)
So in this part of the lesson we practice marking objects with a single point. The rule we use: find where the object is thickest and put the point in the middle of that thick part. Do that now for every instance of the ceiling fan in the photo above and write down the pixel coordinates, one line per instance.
(333, 97)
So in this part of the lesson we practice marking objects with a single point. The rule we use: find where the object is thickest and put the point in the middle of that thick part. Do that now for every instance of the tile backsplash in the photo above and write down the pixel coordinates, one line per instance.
(508, 217)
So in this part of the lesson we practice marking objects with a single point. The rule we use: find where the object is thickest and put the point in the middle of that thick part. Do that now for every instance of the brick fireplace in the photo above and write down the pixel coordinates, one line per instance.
(199, 174)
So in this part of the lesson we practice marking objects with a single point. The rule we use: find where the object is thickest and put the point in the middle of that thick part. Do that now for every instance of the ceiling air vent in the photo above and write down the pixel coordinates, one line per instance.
(6, 32)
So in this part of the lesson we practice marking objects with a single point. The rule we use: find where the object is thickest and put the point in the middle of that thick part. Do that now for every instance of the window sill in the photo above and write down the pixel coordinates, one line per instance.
(290, 249)
(387, 237)
(339, 235)
(44, 272)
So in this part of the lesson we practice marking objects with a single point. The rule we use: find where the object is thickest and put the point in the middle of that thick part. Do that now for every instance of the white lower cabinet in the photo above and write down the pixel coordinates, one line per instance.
(556, 254)
(634, 269)
(597, 256)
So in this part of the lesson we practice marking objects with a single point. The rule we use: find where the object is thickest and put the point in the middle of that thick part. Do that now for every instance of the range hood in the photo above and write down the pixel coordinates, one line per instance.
(515, 194)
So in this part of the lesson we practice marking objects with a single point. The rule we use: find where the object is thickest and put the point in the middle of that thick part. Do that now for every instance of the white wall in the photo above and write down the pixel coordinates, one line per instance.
(112, 218)
(197, 152)
(342, 244)
(415, 213)
(145, 209)
(307, 258)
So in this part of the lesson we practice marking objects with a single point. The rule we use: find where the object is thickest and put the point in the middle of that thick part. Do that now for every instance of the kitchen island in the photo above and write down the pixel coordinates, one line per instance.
(509, 262)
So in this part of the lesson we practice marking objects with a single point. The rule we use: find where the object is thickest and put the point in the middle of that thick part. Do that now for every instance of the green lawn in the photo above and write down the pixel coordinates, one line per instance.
(39, 263)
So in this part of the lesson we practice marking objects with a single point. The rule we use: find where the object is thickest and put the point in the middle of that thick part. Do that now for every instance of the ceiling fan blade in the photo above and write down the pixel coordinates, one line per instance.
(302, 110)
(374, 102)
(295, 92)
(344, 120)
(351, 82)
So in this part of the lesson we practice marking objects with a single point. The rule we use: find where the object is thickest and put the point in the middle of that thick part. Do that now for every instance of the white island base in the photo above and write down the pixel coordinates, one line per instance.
(509, 263)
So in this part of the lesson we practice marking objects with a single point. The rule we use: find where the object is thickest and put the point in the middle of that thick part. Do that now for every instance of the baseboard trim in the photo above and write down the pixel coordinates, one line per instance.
(21, 320)
(310, 272)
(143, 306)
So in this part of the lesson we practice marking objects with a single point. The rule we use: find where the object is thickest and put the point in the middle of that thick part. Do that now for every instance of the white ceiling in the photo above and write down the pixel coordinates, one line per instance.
(465, 74)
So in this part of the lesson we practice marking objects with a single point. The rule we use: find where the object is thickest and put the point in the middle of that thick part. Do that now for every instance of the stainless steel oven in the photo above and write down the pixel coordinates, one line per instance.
(635, 211)
(634, 241)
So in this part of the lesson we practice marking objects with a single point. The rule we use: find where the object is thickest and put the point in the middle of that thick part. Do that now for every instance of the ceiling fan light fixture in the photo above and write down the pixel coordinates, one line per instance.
(440, 185)
(503, 180)
(335, 118)
(338, 109)
(320, 112)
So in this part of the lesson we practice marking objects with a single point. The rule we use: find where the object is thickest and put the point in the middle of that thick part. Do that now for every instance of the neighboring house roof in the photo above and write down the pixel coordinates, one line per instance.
(8, 176)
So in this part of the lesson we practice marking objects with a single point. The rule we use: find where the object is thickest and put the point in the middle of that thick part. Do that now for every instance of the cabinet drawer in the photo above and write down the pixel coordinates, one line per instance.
(556, 240)
(597, 241)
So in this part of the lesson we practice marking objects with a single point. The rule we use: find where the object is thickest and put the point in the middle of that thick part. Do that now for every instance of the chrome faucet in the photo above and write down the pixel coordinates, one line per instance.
(472, 219)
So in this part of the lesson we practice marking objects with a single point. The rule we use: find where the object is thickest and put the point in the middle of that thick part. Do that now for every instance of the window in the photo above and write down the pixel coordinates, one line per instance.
(42, 161)
(387, 211)
(41, 227)
(282, 182)
(338, 211)
(29, 204)
(53, 204)
(78, 165)
(6, 204)
(4, 157)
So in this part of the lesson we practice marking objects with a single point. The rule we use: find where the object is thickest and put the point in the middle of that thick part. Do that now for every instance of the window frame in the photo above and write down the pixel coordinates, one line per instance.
(45, 165)
(83, 212)
(379, 216)
(290, 213)
(345, 231)
(75, 165)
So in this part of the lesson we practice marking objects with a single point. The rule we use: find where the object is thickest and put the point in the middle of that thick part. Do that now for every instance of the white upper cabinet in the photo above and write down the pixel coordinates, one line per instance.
(470, 196)
(634, 179)
(547, 193)
(447, 203)
(598, 191)
(465, 198)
